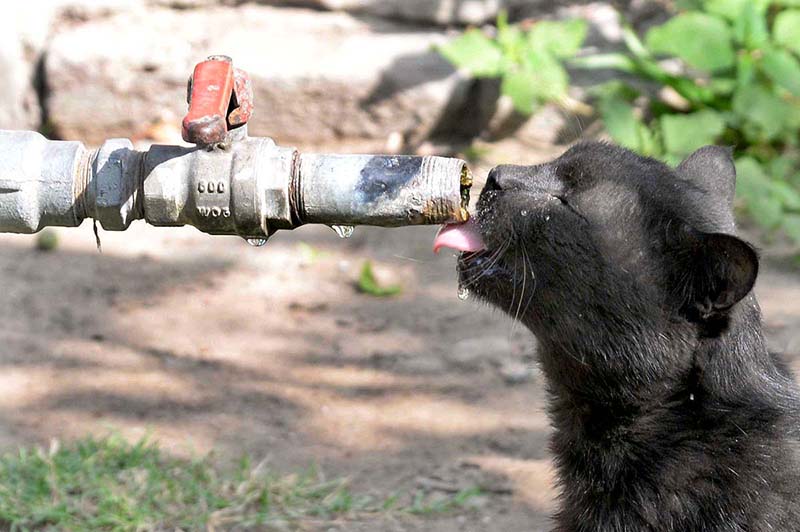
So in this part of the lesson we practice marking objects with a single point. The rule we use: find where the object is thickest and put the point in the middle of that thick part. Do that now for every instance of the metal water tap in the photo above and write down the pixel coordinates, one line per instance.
(228, 183)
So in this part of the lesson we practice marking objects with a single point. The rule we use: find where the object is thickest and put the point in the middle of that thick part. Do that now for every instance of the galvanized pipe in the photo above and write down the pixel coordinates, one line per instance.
(380, 190)
(246, 186)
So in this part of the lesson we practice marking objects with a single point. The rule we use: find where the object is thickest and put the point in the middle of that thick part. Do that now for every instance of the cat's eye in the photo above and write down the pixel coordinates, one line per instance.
(572, 176)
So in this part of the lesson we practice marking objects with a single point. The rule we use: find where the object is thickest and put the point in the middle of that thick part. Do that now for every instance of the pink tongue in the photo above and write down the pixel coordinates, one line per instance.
(462, 237)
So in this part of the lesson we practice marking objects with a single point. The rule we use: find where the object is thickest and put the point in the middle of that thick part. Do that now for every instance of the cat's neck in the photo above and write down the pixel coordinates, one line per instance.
(609, 443)
(604, 422)
(629, 367)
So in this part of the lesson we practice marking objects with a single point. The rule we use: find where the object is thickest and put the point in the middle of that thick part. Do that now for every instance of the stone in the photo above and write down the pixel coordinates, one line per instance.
(441, 12)
(320, 78)
(23, 32)
(19, 103)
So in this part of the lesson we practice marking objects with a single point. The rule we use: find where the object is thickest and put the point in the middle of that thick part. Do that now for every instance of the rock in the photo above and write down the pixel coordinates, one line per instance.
(23, 32)
(319, 78)
(442, 12)
(19, 104)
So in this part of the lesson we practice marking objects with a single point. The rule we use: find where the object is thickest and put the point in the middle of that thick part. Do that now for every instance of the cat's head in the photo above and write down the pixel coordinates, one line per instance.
(602, 239)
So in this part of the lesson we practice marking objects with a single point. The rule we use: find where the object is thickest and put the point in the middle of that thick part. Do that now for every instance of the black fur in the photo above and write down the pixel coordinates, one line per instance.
(669, 414)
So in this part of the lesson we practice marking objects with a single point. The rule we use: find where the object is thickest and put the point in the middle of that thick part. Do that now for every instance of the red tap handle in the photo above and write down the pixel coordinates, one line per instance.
(220, 99)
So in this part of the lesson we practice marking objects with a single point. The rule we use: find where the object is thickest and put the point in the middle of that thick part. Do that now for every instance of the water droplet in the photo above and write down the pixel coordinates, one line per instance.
(257, 242)
(547, 218)
(463, 293)
(344, 231)
(523, 213)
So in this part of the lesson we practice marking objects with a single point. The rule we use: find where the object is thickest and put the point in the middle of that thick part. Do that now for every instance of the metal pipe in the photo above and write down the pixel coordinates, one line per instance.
(381, 189)
(246, 186)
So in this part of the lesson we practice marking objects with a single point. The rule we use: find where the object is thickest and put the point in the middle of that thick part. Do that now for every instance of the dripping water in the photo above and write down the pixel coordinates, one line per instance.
(256, 242)
(344, 231)
(463, 293)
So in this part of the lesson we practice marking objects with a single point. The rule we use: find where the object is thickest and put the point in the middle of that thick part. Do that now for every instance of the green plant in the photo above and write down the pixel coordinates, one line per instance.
(112, 484)
(368, 284)
(739, 84)
(725, 71)
(528, 61)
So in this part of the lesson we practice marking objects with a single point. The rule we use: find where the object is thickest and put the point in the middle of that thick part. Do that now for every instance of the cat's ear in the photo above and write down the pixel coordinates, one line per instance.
(717, 271)
(712, 168)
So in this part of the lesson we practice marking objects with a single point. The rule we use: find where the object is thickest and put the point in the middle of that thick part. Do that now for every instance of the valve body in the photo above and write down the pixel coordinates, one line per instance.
(246, 186)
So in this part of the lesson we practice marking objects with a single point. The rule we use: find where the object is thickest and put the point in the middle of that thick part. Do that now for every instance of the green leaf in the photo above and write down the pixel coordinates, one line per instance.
(729, 9)
(520, 87)
(782, 167)
(722, 86)
(745, 69)
(476, 53)
(368, 284)
(786, 30)
(552, 80)
(512, 41)
(703, 41)
(787, 194)
(763, 114)
(791, 225)
(750, 27)
(625, 128)
(621, 122)
(634, 44)
(755, 188)
(683, 134)
(782, 68)
(766, 210)
(751, 180)
(561, 39)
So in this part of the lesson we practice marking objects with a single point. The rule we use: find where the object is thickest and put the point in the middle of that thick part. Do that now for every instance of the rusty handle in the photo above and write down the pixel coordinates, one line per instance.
(210, 90)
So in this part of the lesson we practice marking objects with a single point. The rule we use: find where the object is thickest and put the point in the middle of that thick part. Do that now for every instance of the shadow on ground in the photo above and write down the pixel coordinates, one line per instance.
(207, 343)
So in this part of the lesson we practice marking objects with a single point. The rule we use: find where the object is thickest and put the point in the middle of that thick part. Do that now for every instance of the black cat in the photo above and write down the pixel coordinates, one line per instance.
(669, 413)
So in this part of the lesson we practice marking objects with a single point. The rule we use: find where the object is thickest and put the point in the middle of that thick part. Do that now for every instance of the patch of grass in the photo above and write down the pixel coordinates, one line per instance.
(111, 484)
(368, 284)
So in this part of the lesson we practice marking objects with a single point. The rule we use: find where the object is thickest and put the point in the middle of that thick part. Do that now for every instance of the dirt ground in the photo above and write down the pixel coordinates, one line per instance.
(209, 343)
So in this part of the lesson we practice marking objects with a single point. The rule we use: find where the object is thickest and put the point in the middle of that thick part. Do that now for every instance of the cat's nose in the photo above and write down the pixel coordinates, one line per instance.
(492, 182)
(507, 176)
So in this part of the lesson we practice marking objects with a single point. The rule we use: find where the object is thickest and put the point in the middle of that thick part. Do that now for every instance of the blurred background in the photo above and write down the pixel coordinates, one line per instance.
(180, 380)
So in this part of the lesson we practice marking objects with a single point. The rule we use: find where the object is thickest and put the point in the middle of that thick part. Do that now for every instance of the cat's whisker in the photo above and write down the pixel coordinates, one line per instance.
(513, 283)
(524, 281)
(533, 279)
(485, 268)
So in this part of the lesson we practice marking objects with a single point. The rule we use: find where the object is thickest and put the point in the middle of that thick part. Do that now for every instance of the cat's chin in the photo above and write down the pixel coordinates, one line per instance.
(484, 275)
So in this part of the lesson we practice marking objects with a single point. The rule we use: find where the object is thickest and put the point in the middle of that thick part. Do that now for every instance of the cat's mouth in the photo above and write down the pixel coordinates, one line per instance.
(464, 237)
(477, 266)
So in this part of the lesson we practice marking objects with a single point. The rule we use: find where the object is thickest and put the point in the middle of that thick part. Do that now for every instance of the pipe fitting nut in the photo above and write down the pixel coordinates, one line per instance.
(116, 182)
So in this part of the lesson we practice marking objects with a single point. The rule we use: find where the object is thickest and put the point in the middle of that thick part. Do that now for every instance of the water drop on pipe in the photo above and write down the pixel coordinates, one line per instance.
(344, 231)
(463, 293)
(257, 242)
